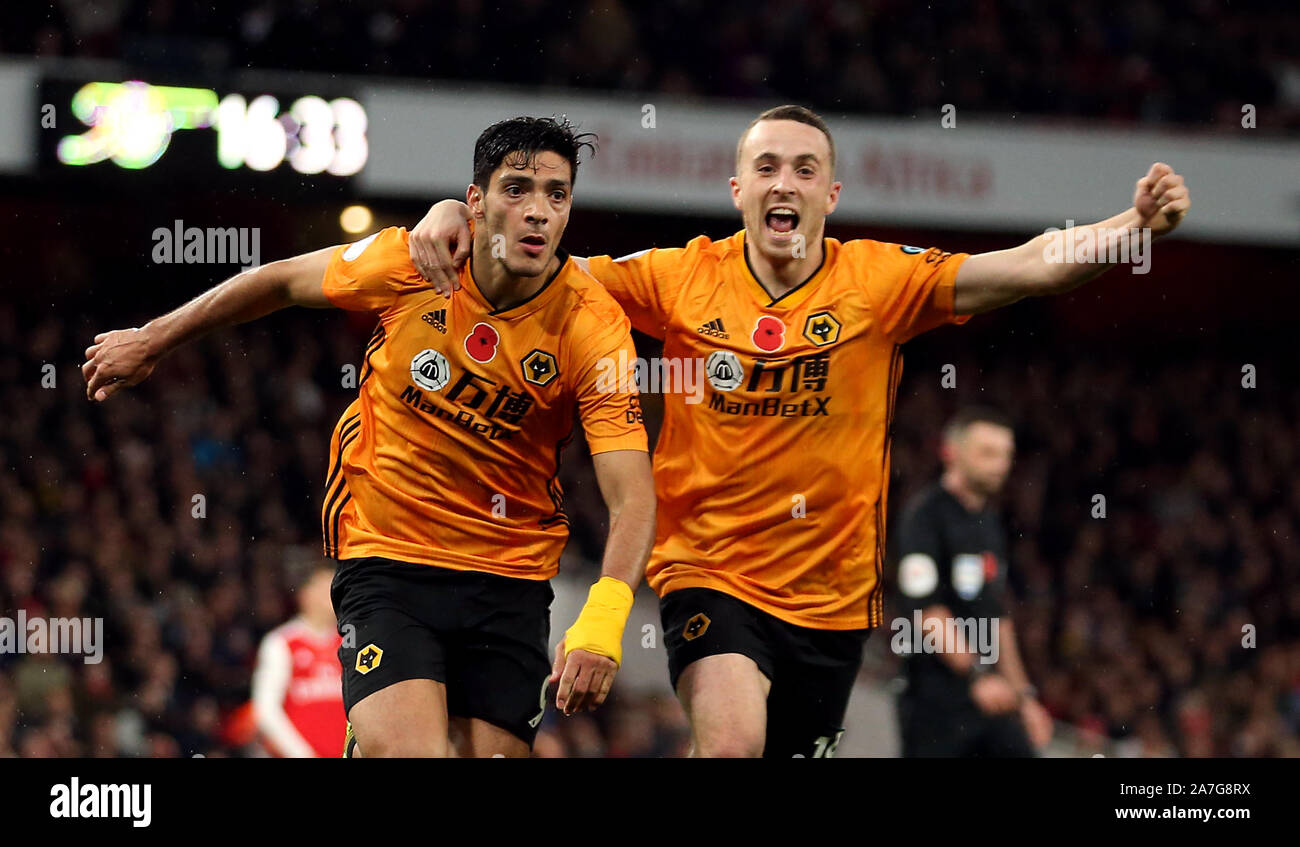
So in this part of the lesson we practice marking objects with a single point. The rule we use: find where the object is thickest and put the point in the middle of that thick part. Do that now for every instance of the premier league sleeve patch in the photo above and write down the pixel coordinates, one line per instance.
(968, 575)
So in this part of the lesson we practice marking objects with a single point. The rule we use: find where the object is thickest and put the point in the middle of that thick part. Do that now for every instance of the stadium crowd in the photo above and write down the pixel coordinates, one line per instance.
(1144, 61)
(1131, 625)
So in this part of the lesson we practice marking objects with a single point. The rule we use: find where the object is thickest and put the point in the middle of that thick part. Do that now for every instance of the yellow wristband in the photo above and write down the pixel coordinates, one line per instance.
(599, 627)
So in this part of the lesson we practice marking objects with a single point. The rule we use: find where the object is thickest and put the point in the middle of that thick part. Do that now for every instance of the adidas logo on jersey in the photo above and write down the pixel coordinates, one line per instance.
(437, 319)
(714, 328)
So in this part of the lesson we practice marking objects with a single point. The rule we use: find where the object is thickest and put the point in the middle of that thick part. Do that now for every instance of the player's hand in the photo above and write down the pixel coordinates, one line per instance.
(1161, 199)
(117, 359)
(1037, 721)
(994, 695)
(585, 679)
(440, 244)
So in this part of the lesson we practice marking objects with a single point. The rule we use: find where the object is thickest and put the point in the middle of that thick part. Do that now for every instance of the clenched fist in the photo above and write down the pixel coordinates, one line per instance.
(1161, 199)
(117, 359)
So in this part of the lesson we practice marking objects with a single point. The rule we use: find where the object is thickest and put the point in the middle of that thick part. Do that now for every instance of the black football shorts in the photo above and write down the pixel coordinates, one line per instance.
(482, 635)
(812, 671)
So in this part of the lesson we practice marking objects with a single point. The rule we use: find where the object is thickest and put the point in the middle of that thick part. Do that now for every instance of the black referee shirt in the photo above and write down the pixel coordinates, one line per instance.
(946, 556)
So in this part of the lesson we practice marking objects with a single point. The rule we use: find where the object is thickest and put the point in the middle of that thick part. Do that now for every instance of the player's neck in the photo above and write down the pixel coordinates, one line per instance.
(971, 501)
(780, 275)
(502, 289)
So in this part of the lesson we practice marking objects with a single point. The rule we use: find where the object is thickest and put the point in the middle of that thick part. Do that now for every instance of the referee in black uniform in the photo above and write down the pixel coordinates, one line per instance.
(969, 697)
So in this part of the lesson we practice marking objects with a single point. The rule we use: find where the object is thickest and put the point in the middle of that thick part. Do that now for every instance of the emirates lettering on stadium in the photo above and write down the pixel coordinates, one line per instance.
(912, 172)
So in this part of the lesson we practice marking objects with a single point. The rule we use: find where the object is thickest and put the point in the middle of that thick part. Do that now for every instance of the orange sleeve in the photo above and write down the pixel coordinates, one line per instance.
(911, 289)
(605, 384)
(367, 276)
(645, 284)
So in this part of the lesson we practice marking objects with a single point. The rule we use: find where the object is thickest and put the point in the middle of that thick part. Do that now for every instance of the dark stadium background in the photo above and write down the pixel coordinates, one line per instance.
(1131, 627)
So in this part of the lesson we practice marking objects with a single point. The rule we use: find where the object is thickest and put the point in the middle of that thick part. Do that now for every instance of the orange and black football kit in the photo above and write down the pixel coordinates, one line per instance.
(442, 504)
(772, 490)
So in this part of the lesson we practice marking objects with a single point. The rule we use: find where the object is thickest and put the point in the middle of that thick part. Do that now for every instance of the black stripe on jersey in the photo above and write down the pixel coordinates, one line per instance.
(330, 495)
(348, 426)
(333, 545)
(376, 341)
(553, 488)
(328, 519)
(338, 514)
(874, 599)
(375, 338)
(346, 429)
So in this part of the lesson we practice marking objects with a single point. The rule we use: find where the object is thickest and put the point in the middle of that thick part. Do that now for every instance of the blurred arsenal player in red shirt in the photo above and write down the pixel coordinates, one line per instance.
(298, 682)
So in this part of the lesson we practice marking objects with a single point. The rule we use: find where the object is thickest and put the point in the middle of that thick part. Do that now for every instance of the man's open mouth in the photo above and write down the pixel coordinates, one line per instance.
(533, 244)
(782, 220)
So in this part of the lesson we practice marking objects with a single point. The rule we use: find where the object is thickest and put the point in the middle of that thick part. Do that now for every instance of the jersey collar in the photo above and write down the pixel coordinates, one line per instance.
(538, 299)
(795, 296)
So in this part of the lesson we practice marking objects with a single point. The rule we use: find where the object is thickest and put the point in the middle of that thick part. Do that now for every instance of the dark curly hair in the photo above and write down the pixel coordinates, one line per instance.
(525, 137)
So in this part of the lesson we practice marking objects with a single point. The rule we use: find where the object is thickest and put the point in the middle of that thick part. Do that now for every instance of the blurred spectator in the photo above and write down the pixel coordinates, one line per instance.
(298, 684)
(1146, 61)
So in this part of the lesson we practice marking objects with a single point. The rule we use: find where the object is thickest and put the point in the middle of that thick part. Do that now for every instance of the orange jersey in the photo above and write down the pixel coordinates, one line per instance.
(772, 489)
(449, 454)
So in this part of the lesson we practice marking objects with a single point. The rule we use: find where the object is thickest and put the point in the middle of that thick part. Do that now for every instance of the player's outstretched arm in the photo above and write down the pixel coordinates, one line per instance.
(990, 280)
(125, 357)
(589, 655)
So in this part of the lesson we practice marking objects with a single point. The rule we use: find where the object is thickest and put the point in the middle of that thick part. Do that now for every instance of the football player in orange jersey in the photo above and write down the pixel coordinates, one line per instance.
(772, 495)
(442, 506)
